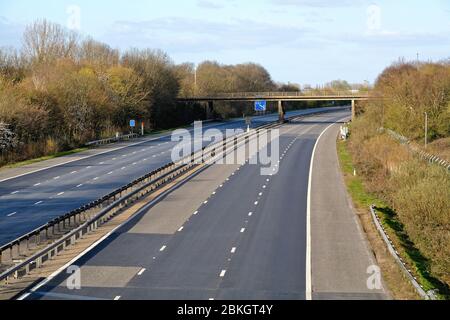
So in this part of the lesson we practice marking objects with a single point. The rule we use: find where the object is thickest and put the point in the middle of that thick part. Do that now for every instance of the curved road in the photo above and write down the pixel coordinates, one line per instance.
(30, 201)
(228, 233)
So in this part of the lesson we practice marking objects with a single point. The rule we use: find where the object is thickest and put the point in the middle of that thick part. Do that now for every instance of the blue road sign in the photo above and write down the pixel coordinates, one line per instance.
(132, 123)
(260, 105)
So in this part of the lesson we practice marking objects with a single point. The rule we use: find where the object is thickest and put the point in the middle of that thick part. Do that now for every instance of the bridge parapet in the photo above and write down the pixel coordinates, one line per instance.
(296, 95)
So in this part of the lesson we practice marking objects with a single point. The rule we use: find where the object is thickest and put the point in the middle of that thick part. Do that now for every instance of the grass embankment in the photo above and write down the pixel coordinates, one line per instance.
(424, 268)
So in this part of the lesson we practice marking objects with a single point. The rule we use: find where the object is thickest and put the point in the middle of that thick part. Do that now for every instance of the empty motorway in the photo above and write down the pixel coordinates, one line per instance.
(28, 201)
(232, 233)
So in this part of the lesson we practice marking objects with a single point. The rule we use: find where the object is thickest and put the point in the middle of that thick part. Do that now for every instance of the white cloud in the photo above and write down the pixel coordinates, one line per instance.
(179, 34)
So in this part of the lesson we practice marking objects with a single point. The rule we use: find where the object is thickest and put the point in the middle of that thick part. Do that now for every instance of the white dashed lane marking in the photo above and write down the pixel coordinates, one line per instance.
(163, 248)
(11, 214)
(233, 250)
(222, 273)
(39, 202)
(141, 272)
(60, 194)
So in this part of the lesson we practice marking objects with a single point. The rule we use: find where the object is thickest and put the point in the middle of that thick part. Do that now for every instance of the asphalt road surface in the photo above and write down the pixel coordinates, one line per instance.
(29, 201)
(228, 233)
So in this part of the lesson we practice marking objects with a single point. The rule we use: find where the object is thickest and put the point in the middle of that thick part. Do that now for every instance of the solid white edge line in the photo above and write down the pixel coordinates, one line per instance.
(90, 248)
(95, 244)
(98, 154)
(135, 144)
(308, 217)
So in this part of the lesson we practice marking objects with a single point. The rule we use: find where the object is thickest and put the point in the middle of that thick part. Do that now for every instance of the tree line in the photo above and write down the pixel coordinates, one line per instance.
(410, 90)
(61, 90)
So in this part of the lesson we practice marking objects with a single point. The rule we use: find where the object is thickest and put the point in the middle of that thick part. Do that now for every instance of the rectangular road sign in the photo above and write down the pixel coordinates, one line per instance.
(260, 105)
(132, 123)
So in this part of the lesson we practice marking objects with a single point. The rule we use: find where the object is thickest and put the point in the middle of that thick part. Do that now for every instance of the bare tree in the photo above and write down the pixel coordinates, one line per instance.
(45, 42)
(98, 54)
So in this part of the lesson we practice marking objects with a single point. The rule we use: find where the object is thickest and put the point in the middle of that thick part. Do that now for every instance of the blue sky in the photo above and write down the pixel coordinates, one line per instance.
(301, 41)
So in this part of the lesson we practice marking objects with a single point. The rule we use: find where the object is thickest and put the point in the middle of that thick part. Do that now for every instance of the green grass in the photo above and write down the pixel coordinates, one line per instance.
(52, 156)
(391, 223)
(355, 184)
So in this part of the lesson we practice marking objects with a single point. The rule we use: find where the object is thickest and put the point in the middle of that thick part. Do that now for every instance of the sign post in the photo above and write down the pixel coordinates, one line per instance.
(132, 125)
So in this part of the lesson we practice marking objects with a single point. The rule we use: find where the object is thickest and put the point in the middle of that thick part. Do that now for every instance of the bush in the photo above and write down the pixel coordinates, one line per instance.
(417, 191)
(420, 195)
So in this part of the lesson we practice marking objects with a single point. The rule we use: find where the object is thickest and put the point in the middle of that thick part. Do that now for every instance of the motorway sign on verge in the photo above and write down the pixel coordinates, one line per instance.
(132, 123)
(260, 105)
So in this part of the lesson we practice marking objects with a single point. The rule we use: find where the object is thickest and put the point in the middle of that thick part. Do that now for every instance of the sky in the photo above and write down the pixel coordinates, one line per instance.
(298, 41)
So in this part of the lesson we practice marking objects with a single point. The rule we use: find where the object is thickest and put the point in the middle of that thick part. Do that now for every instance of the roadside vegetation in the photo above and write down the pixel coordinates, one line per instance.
(412, 196)
(61, 90)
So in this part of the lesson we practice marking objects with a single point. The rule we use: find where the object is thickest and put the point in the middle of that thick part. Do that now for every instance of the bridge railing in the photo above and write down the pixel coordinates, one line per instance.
(303, 93)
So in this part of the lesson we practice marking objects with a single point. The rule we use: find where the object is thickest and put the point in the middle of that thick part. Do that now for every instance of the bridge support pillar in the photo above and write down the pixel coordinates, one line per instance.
(353, 110)
(210, 110)
(281, 111)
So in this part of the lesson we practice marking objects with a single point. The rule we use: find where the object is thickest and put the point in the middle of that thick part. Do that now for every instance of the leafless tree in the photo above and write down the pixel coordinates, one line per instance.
(45, 42)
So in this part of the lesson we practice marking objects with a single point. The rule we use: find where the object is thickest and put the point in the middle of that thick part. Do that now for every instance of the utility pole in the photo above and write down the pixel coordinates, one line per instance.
(426, 130)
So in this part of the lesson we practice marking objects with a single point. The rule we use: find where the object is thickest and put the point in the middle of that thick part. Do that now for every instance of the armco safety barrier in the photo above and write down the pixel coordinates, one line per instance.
(113, 139)
(426, 295)
(418, 151)
(64, 231)
(91, 216)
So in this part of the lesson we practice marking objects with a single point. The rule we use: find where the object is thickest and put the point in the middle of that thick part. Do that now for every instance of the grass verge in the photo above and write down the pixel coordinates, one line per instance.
(396, 281)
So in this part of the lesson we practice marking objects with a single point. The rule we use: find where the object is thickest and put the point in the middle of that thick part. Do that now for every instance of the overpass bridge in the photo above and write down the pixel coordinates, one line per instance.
(281, 97)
